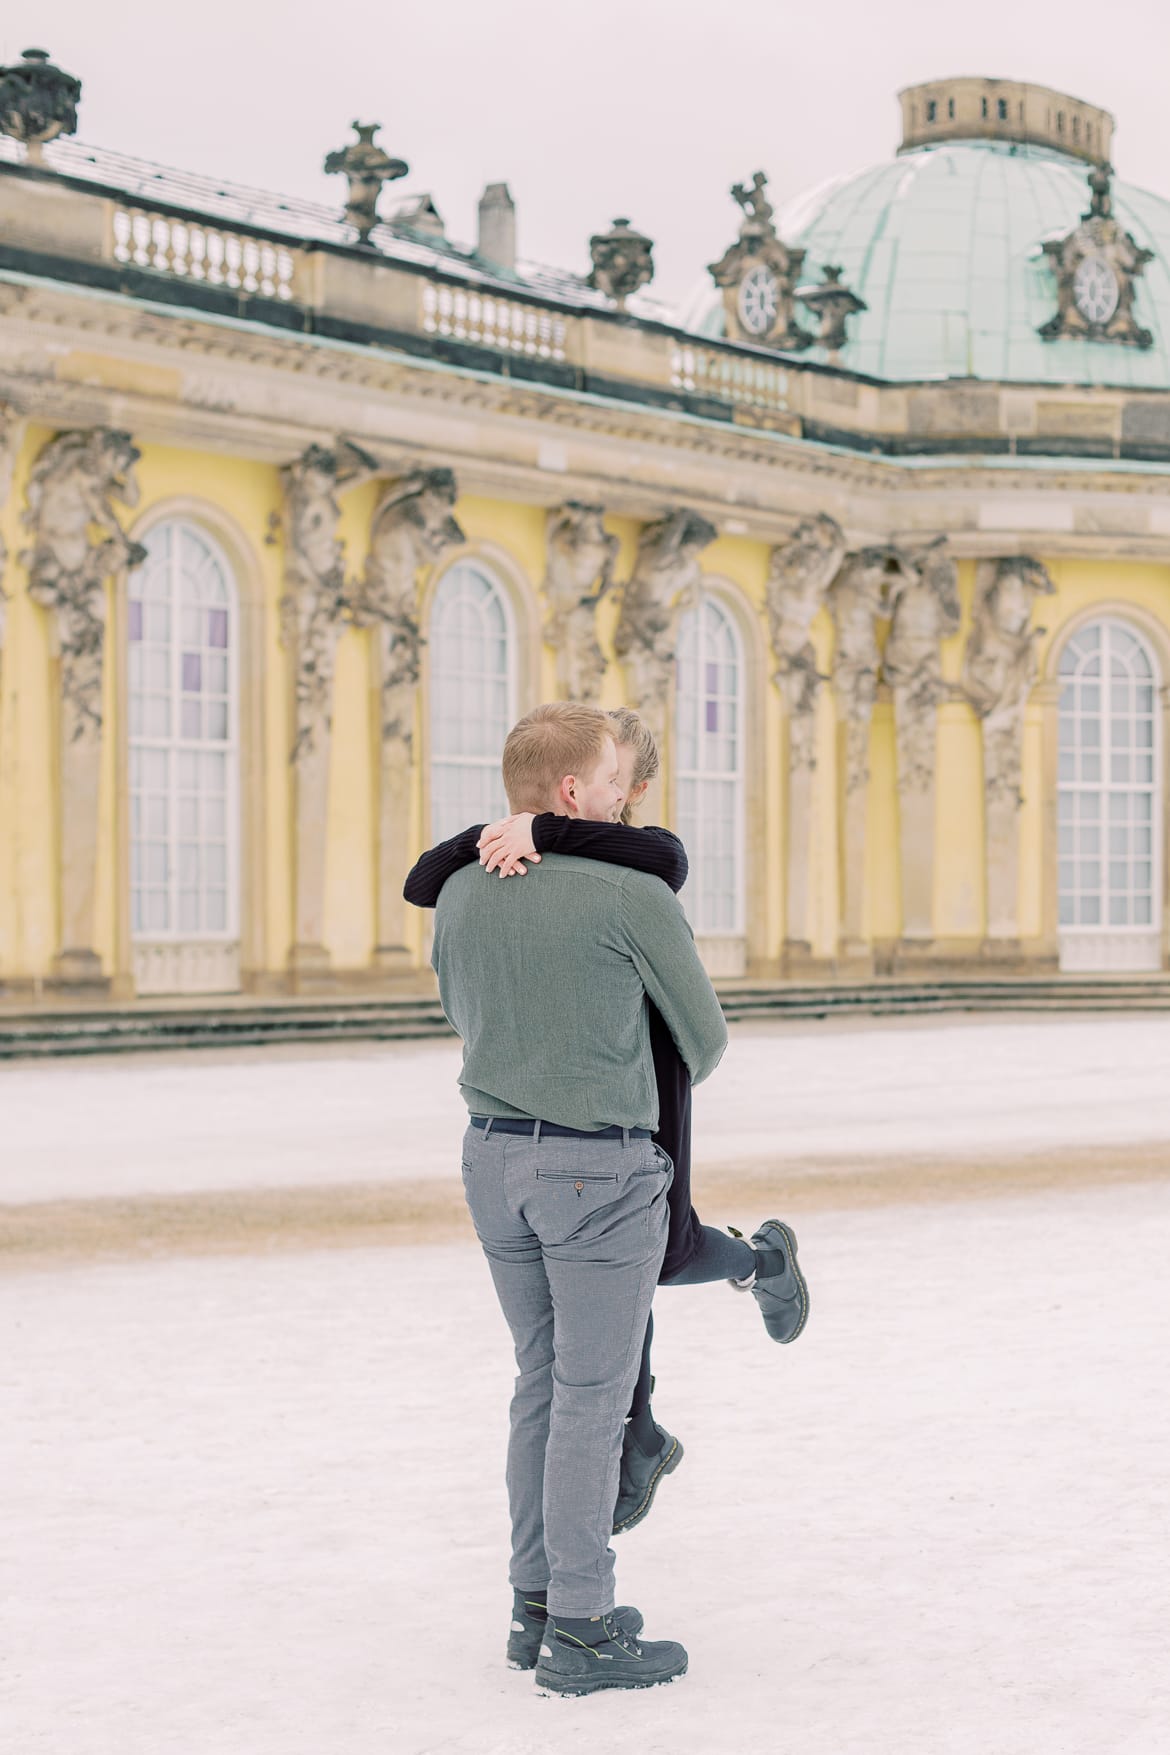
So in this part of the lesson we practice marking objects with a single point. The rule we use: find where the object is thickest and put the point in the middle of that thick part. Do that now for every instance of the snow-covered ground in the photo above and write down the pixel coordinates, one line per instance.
(253, 1504)
(791, 1094)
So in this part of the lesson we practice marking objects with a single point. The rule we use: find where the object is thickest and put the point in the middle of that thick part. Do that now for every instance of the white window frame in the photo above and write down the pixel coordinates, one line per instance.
(468, 760)
(691, 895)
(174, 745)
(1105, 945)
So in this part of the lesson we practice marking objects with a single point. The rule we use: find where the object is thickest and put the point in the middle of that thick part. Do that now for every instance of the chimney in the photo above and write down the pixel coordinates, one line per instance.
(497, 226)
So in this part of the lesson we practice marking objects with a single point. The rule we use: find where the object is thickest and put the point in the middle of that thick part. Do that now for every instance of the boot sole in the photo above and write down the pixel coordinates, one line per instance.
(801, 1283)
(666, 1467)
(566, 1687)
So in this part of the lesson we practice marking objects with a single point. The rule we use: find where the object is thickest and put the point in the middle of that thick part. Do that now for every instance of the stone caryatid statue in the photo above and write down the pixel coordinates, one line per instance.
(38, 102)
(999, 668)
(316, 603)
(77, 546)
(366, 168)
(412, 528)
(858, 601)
(665, 571)
(799, 576)
(10, 428)
(314, 609)
(623, 261)
(924, 611)
(579, 572)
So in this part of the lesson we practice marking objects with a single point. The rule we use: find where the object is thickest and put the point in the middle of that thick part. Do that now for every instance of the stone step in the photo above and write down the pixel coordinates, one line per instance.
(242, 1023)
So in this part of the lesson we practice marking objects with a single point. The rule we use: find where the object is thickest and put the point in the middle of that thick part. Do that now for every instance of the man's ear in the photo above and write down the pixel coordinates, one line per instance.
(567, 789)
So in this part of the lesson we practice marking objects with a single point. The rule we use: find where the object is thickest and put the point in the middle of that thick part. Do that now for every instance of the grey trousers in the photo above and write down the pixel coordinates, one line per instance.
(574, 1231)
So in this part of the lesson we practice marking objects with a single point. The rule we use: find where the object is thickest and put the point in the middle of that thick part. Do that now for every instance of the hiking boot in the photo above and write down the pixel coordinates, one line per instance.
(641, 1475)
(568, 1665)
(528, 1629)
(778, 1286)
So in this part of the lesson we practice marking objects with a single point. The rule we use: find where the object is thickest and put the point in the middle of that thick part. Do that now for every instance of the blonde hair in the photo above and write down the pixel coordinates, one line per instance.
(552, 741)
(632, 732)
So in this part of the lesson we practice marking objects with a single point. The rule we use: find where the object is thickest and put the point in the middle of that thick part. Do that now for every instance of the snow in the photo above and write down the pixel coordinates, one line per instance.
(254, 1503)
(788, 1094)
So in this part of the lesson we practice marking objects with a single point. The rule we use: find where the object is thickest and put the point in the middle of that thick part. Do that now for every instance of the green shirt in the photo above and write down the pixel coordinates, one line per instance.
(545, 977)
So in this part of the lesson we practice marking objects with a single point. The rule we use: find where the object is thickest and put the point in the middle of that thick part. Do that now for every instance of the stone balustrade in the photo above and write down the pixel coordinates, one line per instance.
(214, 255)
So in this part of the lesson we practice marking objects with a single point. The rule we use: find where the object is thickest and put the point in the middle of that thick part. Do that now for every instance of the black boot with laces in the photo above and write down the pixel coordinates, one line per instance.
(530, 1618)
(585, 1656)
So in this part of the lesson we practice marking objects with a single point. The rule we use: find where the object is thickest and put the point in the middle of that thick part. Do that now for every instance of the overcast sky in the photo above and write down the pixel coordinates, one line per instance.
(633, 107)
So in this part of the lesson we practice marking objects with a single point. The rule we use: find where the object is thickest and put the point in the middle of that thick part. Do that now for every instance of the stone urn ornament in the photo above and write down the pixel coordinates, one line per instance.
(366, 167)
(622, 262)
(832, 304)
(37, 102)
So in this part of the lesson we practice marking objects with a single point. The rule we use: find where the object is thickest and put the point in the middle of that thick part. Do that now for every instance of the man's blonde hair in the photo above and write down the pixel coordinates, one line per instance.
(549, 743)
(631, 731)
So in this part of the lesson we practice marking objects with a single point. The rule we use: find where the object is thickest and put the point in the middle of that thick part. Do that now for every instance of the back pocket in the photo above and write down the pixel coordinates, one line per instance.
(578, 1181)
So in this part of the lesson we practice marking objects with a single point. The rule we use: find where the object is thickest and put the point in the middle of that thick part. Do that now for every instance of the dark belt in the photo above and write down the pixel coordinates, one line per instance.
(553, 1129)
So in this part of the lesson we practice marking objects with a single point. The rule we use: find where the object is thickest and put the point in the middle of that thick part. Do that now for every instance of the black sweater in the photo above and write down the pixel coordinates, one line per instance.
(663, 855)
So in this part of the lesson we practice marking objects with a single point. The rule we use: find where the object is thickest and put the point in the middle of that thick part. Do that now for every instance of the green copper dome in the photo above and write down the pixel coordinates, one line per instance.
(944, 245)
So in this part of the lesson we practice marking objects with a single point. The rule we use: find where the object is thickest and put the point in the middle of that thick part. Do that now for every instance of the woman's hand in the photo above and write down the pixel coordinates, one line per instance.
(506, 844)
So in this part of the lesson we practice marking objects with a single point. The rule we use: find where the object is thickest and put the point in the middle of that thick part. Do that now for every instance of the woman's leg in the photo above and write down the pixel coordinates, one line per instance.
(716, 1257)
(640, 1424)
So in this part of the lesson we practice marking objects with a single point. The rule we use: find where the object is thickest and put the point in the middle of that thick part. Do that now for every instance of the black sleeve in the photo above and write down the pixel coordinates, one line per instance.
(652, 849)
(430, 873)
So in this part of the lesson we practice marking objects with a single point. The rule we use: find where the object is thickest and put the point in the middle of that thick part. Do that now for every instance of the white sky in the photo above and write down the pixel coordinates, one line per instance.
(633, 107)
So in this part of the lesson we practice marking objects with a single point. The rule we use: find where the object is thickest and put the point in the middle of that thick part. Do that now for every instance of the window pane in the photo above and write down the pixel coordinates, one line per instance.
(180, 849)
(471, 691)
(1107, 759)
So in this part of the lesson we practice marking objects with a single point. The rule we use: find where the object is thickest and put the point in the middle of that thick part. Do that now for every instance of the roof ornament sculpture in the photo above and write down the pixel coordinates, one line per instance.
(622, 260)
(366, 167)
(1097, 266)
(832, 304)
(758, 276)
(37, 102)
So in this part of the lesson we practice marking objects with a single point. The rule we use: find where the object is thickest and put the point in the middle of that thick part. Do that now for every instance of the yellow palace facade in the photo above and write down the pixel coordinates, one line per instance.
(299, 512)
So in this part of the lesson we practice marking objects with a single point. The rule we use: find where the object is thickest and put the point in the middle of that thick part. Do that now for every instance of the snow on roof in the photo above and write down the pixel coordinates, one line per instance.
(312, 222)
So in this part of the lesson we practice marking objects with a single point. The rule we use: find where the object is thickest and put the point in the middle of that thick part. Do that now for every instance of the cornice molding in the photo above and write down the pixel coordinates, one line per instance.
(773, 479)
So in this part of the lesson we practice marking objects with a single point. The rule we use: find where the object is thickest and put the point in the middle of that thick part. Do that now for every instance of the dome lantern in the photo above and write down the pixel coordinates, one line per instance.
(1004, 109)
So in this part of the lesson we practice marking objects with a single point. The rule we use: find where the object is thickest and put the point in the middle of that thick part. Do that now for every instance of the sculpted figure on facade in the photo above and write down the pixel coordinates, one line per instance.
(1097, 266)
(859, 599)
(71, 493)
(77, 544)
(924, 610)
(581, 556)
(999, 668)
(799, 576)
(10, 424)
(412, 527)
(665, 571)
(315, 604)
(758, 276)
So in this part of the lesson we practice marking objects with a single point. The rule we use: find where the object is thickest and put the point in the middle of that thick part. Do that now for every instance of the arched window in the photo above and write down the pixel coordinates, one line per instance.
(472, 690)
(183, 692)
(709, 767)
(1108, 828)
